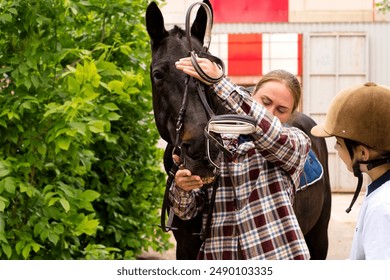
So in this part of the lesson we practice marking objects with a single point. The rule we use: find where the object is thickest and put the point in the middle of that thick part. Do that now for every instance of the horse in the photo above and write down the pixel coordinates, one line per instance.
(169, 85)
(312, 204)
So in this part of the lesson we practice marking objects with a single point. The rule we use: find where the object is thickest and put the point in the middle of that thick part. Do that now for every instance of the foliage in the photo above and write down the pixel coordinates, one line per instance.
(383, 6)
(80, 174)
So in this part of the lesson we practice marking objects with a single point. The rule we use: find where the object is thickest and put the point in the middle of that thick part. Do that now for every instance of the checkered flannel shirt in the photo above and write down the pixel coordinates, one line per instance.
(266, 171)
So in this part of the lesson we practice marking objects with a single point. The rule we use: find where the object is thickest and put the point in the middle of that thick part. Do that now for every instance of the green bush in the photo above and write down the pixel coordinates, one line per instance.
(80, 174)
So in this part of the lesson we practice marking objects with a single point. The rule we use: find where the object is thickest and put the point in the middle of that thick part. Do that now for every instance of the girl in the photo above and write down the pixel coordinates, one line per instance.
(359, 118)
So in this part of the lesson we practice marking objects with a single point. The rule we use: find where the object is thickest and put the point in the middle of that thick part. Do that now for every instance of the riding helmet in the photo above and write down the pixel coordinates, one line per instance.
(360, 113)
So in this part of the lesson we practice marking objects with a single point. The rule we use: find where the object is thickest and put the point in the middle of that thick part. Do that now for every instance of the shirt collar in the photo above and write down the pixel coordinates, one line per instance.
(378, 182)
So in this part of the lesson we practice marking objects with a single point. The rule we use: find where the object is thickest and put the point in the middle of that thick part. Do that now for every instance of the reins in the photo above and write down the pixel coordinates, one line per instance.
(206, 45)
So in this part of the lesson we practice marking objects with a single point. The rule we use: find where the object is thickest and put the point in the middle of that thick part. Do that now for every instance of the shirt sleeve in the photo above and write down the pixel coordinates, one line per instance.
(284, 146)
(186, 205)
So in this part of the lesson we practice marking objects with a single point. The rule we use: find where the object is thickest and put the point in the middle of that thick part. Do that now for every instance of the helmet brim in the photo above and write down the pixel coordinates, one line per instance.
(319, 131)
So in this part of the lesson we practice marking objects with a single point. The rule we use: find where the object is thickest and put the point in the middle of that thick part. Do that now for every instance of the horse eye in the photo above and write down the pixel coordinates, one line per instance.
(157, 75)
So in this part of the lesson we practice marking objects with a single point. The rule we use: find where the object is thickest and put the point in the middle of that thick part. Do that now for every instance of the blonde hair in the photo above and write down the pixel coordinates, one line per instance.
(287, 79)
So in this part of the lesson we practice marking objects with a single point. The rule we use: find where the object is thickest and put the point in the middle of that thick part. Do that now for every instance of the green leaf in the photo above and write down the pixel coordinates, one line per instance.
(35, 81)
(5, 168)
(132, 90)
(35, 246)
(49, 195)
(90, 195)
(79, 127)
(38, 228)
(26, 251)
(73, 84)
(53, 200)
(59, 229)
(116, 86)
(4, 18)
(65, 204)
(44, 234)
(2, 204)
(32, 63)
(3, 123)
(42, 148)
(26, 188)
(5, 69)
(87, 226)
(113, 116)
(9, 184)
(110, 107)
(2, 226)
(63, 143)
(19, 246)
(3, 239)
(96, 126)
(27, 82)
(13, 11)
(7, 250)
(53, 238)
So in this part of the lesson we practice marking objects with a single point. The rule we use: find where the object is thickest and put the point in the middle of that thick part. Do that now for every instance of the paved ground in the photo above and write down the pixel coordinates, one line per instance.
(342, 225)
(341, 228)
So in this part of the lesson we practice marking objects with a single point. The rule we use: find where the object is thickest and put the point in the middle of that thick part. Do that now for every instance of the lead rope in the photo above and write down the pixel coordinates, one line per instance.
(165, 205)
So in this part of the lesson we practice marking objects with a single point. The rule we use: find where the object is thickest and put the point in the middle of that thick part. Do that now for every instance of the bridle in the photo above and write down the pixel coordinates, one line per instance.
(180, 119)
(217, 124)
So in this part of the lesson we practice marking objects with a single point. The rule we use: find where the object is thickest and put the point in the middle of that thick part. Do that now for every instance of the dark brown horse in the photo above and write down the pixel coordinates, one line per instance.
(312, 205)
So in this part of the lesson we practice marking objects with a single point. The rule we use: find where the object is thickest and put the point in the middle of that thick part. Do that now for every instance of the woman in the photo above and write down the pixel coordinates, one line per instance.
(359, 118)
(252, 216)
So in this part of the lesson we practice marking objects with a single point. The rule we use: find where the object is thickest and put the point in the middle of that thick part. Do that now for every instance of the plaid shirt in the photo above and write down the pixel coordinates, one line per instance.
(266, 172)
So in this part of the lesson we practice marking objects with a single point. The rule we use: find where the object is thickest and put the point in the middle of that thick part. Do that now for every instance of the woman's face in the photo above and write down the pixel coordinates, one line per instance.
(276, 98)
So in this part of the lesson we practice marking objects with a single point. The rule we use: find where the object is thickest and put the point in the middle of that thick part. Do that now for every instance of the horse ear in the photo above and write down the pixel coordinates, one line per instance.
(198, 28)
(155, 24)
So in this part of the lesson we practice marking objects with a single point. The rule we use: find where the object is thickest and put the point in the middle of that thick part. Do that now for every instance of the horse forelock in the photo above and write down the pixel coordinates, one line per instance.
(177, 31)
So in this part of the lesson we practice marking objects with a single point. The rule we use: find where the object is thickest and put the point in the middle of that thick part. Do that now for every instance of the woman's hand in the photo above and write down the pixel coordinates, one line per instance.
(184, 178)
(186, 181)
(210, 68)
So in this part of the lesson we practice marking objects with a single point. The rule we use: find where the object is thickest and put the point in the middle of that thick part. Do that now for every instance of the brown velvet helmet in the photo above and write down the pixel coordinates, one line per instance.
(360, 113)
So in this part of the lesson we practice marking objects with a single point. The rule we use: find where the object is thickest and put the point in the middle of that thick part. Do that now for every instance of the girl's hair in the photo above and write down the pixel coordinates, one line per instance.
(352, 144)
(286, 78)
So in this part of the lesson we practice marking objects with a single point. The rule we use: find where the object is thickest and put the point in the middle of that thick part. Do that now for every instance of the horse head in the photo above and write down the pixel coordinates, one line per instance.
(169, 85)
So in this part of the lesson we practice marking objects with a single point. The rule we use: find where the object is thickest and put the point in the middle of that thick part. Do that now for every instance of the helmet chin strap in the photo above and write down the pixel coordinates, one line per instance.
(356, 171)
(376, 162)
(359, 175)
